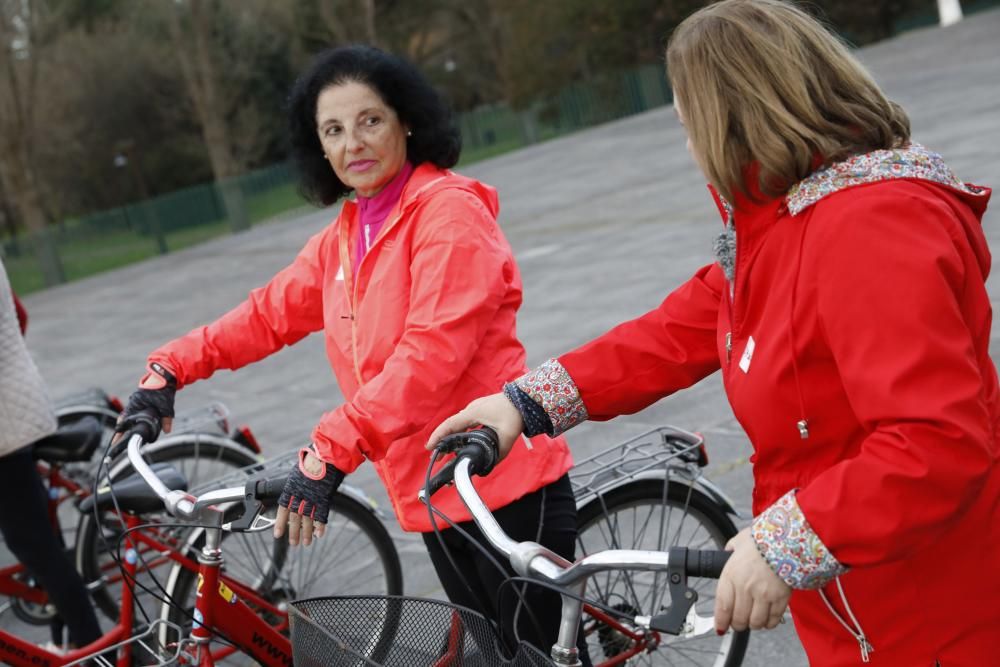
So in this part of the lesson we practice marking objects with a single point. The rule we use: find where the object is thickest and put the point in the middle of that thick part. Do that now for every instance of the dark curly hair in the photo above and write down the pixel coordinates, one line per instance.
(435, 137)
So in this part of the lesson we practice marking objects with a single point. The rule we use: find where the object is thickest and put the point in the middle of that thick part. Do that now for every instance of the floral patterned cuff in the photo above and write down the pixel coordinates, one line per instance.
(551, 387)
(536, 422)
(791, 547)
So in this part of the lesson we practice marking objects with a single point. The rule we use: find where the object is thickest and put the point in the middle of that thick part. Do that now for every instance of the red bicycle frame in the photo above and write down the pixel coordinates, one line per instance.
(219, 609)
(20, 653)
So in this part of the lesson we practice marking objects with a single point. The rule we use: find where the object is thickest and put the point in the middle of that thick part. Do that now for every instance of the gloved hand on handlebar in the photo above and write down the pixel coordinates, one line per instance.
(304, 504)
(155, 394)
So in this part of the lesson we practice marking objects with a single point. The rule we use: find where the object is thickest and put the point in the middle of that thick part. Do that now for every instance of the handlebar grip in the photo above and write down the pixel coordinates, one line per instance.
(480, 446)
(707, 564)
(144, 423)
(270, 489)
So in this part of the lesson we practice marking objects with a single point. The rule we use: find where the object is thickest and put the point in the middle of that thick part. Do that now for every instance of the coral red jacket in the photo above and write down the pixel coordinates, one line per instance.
(858, 317)
(426, 325)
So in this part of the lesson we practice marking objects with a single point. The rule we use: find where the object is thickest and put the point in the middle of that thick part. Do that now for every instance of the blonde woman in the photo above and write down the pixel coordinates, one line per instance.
(848, 314)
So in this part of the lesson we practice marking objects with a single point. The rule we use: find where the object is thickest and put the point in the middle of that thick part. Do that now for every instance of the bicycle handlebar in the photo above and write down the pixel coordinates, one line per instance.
(534, 560)
(184, 505)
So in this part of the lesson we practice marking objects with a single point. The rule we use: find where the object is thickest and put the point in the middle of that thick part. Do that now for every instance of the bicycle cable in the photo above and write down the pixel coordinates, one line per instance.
(115, 553)
(115, 556)
(166, 599)
(564, 591)
(431, 511)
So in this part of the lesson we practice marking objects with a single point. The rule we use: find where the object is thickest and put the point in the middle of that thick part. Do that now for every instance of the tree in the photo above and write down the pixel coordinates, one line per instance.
(27, 28)
(207, 91)
(864, 21)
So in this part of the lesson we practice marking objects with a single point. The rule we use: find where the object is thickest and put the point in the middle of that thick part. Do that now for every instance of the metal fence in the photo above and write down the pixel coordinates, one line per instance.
(108, 239)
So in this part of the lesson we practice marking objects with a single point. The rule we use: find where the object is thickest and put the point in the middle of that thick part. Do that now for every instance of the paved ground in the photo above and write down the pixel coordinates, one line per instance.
(604, 224)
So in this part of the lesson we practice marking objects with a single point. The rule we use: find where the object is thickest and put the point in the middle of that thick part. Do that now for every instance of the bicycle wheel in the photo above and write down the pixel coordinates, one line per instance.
(199, 458)
(356, 556)
(654, 515)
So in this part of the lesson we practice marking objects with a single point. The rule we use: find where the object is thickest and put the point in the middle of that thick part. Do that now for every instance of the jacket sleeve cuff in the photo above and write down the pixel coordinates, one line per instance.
(551, 387)
(791, 547)
(341, 458)
(536, 422)
(170, 365)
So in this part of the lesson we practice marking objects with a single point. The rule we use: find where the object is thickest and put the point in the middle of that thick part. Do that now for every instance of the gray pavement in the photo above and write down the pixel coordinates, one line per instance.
(604, 224)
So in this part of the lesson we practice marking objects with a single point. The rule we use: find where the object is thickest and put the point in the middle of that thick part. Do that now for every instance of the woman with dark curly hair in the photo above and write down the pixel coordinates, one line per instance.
(416, 291)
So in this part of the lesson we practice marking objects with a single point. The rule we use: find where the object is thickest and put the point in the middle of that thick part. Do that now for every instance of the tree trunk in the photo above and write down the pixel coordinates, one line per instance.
(198, 68)
(9, 222)
(17, 170)
(370, 22)
(19, 179)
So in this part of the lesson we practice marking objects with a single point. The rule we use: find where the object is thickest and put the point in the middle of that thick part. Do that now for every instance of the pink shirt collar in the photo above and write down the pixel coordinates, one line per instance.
(372, 211)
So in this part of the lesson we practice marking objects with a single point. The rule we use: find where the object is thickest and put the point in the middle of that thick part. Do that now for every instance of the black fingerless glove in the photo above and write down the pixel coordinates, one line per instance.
(307, 494)
(156, 393)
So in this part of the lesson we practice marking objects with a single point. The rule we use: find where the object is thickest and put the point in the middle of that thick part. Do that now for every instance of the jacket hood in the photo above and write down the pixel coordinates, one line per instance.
(913, 162)
(428, 179)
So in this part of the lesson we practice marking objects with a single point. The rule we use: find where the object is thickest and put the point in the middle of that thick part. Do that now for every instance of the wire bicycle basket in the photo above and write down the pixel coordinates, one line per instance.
(394, 631)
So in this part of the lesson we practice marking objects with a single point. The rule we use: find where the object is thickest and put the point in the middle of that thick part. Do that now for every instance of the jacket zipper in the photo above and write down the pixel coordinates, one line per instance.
(859, 635)
(731, 301)
(352, 289)
(353, 298)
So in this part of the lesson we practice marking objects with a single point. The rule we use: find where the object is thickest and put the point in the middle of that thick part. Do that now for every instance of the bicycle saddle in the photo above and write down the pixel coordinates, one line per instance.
(132, 494)
(71, 443)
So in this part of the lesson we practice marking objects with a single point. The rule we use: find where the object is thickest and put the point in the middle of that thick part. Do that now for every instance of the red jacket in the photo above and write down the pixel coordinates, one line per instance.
(426, 325)
(863, 295)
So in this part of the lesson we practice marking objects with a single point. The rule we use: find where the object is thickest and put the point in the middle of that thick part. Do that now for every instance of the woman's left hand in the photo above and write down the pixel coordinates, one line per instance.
(749, 594)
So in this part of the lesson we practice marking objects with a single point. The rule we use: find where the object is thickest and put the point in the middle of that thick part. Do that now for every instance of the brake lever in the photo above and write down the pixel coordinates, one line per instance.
(257, 524)
(694, 625)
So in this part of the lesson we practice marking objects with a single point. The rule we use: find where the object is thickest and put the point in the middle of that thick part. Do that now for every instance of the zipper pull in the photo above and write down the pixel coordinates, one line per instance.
(866, 648)
(729, 346)
(803, 426)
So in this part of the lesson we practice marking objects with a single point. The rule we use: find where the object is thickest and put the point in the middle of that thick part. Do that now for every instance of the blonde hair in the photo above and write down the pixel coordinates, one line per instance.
(763, 85)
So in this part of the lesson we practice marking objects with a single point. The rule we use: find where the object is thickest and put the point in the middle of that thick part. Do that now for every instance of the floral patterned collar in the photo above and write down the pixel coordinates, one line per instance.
(911, 161)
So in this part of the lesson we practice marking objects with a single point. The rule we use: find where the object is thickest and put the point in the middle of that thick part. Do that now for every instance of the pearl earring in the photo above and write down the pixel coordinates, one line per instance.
(409, 133)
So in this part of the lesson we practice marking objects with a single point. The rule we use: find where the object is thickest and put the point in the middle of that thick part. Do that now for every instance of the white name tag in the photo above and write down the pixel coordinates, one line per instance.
(747, 355)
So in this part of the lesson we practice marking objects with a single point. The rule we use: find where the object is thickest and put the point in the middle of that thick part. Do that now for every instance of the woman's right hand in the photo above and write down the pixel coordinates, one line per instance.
(156, 392)
(495, 411)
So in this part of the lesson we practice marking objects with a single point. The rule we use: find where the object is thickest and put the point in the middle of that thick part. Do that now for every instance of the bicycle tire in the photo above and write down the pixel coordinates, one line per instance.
(294, 573)
(198, 457)
(683, 516)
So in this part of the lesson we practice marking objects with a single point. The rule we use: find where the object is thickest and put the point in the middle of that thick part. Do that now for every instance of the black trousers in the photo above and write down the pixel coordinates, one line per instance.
(547, 516)
(24, 523)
